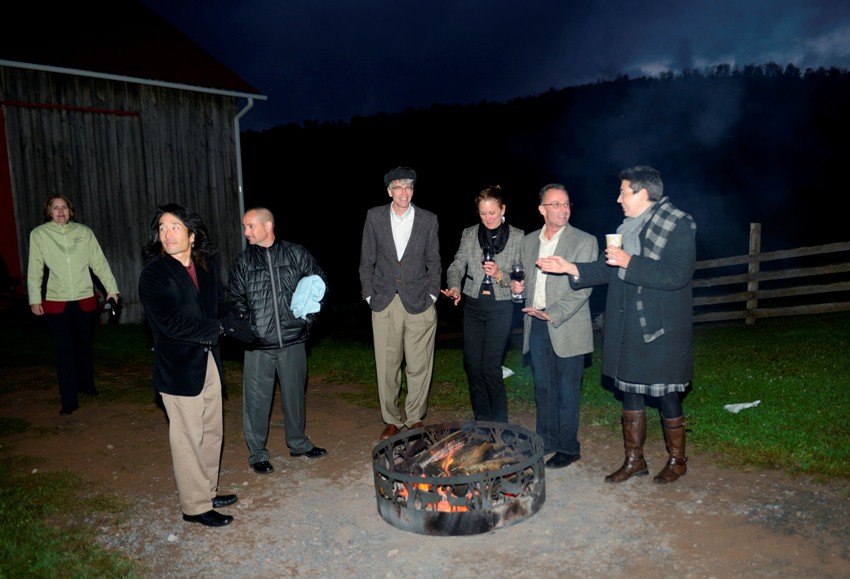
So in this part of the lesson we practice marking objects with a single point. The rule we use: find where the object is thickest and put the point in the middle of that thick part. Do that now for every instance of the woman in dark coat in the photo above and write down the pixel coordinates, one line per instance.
(648, 316)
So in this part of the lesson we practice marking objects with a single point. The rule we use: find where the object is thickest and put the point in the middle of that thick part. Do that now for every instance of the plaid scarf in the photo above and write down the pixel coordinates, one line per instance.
(662, 221)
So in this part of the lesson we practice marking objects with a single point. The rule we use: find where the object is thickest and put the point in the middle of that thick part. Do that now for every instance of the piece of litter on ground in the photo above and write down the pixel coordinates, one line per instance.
(736, 408)
(507, 372)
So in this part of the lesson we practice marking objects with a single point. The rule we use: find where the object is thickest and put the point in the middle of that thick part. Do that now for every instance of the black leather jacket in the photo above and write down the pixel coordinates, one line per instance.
(262, 281)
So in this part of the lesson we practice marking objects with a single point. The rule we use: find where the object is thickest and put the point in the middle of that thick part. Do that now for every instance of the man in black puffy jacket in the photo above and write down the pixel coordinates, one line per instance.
(263, 283)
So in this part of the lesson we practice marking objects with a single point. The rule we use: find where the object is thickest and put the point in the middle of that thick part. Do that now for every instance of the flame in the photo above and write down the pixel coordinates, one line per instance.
(444, 466)
(403, 493)
(444, 506)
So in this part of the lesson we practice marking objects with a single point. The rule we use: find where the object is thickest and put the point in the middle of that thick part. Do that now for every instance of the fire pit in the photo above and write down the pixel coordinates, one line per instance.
(459, 478)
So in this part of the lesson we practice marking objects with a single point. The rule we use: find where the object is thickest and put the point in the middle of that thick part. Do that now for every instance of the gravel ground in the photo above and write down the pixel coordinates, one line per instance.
(318, 518)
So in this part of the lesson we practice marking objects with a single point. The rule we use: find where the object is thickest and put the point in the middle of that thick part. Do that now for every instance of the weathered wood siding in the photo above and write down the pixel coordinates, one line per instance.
(118, 150)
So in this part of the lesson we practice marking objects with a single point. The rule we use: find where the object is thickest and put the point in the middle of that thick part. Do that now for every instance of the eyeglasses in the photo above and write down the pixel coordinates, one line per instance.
(557, 204)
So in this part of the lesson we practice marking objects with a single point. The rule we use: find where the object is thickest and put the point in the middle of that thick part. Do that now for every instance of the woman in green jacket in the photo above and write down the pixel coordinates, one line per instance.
(67, 251)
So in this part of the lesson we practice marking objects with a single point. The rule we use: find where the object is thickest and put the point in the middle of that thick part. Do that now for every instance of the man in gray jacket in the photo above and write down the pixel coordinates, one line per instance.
(557, 328)
(400, 280)
(263, 283)
(647, 347)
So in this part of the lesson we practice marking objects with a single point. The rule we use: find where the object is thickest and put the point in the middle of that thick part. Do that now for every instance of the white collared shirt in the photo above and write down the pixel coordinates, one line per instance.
(547, 249)
(402, 226)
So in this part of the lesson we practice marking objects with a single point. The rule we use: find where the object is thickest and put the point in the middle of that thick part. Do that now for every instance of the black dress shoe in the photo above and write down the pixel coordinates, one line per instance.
(67, 411)
(562, 459)
(314, 452)
(224, 501)
(210, 519)
(263, 467)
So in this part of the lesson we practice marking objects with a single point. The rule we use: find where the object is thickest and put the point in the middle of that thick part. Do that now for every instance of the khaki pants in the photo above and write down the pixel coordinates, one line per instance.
(195, 433)
(399, 336)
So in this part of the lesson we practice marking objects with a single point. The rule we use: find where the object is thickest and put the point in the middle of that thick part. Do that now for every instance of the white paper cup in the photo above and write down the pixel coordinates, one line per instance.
(614, 239)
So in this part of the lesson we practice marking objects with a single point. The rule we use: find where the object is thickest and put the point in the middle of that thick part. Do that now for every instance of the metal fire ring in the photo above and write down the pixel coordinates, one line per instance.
(461, 504)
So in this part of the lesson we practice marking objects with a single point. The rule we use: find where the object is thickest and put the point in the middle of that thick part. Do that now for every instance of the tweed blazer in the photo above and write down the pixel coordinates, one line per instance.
(416, 277)
(465, 271)
(184, 323)
(570, 329)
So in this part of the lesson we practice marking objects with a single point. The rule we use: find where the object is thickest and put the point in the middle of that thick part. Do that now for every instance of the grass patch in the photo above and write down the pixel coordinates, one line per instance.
(792, 365)
(10, 425)
(30, 546)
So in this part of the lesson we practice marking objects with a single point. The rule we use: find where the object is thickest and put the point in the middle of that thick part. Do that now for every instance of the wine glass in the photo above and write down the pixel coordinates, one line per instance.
(517, 274)
(488, 256)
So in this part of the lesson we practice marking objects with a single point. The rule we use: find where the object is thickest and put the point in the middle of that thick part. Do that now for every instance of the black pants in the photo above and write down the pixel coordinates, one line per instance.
(486, 329)
(71, 332)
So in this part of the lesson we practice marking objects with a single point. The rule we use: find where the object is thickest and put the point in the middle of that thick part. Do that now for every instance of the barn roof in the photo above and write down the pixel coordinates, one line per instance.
(121, 38)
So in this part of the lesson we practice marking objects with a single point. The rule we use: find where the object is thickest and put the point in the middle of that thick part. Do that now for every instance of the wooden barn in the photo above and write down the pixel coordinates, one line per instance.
(107, 103)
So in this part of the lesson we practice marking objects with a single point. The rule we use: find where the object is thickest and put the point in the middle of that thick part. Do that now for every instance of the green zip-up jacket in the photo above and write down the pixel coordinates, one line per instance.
(68, 251)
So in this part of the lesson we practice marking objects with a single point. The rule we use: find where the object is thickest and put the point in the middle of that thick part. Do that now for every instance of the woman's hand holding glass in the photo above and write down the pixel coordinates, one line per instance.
(490, 268)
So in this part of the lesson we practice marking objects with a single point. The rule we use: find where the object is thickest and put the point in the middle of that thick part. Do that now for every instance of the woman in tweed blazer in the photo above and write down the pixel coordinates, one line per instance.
(488, 309)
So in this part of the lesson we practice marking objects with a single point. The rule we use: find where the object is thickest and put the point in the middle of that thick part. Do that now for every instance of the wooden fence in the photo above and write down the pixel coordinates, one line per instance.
(782, 289)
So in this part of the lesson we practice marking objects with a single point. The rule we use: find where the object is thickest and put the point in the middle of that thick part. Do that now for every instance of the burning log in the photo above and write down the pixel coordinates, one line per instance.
(465, 457)
(492, 464)
(460, 453)
(439, 451)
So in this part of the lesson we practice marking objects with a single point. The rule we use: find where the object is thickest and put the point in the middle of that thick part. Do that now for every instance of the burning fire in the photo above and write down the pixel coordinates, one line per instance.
(459, 453)
(443, 505)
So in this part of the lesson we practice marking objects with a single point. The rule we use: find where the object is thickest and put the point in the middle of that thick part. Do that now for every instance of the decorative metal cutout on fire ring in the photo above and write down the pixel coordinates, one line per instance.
(459, 478)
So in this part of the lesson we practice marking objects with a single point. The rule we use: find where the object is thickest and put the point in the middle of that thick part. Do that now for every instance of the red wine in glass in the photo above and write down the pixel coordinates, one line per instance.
(517, 274)
(488, 256)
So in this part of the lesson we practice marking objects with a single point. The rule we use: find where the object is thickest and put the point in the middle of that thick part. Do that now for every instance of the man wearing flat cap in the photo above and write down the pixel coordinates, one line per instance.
(400, 280)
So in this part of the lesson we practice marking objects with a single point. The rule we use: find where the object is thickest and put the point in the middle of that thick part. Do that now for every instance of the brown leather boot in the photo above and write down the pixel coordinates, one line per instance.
(634, 435)
(677, 464)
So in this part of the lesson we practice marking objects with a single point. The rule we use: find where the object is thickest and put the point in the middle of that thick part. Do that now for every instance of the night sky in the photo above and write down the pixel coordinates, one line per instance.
(335, 59)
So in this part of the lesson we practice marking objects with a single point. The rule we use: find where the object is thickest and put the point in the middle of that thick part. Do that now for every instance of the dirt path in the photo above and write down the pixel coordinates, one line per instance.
(319, 518)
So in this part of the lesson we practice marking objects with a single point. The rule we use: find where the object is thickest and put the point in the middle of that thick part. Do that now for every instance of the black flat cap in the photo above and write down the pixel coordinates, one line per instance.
(400, 173)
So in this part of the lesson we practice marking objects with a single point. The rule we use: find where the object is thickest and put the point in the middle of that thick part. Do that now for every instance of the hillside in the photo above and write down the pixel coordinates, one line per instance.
(756, 144)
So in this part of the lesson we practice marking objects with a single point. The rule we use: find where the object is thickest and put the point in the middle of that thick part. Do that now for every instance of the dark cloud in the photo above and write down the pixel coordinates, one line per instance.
(335, 59)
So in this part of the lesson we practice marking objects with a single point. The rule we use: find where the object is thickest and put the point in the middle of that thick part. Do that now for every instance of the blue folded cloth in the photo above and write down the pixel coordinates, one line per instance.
(308, 293)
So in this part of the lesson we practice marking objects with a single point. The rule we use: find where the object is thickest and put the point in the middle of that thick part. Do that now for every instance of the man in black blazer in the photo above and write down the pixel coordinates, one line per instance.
(180, 291)
(400, 274)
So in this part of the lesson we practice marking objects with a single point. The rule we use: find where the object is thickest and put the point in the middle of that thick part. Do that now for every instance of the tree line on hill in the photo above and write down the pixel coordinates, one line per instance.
(735, 145)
